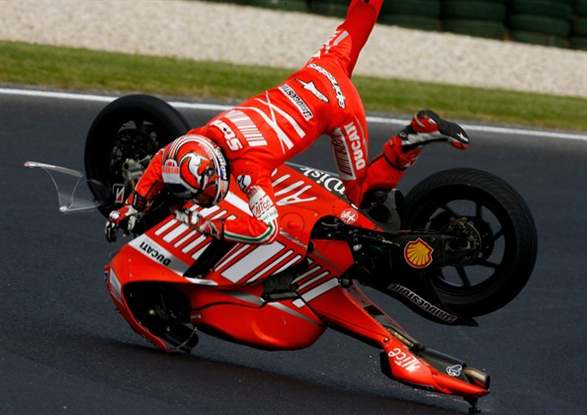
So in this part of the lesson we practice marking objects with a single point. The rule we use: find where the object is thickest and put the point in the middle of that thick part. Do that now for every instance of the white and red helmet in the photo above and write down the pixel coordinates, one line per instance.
(195, 168)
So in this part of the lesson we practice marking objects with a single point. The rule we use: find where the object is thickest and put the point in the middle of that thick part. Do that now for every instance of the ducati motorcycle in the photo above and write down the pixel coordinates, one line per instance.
(460, 244)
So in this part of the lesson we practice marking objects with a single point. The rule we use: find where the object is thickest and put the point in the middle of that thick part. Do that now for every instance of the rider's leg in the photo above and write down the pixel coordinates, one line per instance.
(352, 34)
(402, 150)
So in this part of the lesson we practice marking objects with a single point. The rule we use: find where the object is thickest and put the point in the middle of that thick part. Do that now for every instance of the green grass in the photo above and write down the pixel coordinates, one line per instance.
(79, 69)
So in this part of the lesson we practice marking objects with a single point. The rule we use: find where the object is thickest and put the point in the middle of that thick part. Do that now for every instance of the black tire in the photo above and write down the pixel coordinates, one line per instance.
(540, 24)
(112, 136)
(421, 8)
(475, 10)
(479, 28)
(538, 39)
(547, 8)
(410, 22)
(516, 238)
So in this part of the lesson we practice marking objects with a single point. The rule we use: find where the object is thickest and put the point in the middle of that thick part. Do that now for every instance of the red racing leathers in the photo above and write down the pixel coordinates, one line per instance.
(266, 130)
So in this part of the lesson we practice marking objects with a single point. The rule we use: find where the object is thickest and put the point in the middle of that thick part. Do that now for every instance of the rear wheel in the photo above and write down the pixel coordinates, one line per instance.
(121, 141)
(487, 211)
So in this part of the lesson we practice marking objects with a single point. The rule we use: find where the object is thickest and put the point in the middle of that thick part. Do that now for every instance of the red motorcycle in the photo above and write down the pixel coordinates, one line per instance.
(461, 244)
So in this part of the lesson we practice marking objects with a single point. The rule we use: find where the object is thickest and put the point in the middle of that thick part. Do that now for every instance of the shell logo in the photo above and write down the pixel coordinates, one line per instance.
(418, 254)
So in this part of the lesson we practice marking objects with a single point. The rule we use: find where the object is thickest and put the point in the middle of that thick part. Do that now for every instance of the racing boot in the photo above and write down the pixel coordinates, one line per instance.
(402, 150)
(427, 127)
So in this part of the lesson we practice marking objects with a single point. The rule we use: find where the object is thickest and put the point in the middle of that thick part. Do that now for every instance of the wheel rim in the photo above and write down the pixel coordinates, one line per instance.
(135, 139)
(496, 237)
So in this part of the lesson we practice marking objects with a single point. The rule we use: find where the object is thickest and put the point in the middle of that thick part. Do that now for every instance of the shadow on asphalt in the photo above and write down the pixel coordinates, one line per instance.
(182, 369)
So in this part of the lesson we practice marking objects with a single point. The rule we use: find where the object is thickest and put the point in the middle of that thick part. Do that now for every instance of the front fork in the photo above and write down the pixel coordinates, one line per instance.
(402, 358)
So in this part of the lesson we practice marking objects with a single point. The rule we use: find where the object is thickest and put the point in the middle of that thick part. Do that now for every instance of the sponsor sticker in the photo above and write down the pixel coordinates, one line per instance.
(342, 155)
(349, 216)
(157, 253)
(355, 142)
(154, 253)
(422, 303)
(454, 371)
(341, 99)
(404, 360)
(310, 86)
(261, 205)
(328, 181)
(232, 141)
(118, 190)
(244, 181)
(170, 172)
(295, 99)
(418, 254)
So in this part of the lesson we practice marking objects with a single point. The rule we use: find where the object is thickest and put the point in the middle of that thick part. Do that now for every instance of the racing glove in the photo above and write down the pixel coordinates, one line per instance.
(427, 127)
(125, 218)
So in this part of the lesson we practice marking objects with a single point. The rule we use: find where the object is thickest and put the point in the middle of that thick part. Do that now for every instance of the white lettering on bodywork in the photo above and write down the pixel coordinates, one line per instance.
(404, 360)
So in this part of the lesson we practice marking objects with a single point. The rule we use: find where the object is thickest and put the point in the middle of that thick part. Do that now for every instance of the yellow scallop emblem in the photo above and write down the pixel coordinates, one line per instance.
(418, 254)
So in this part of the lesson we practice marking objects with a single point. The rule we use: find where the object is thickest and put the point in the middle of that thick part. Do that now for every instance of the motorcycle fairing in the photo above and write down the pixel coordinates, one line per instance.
(301, 204)
(404, 359)
(276, 325)
(230, 301)
(165, 252)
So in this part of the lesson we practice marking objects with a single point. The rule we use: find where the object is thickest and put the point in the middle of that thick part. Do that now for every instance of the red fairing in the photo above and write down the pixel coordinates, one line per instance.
(242, 317)
(352, 311)
(228, 301)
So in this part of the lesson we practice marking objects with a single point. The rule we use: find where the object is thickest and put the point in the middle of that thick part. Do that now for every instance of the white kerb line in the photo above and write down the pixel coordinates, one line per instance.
(220, 107)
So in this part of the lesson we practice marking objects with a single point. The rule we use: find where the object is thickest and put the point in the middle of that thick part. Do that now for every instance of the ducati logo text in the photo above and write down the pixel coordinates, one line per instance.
(153, 253)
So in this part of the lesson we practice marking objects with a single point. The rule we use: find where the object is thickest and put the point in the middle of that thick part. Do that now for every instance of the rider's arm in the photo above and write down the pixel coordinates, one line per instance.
(260, 228)
(151, 182)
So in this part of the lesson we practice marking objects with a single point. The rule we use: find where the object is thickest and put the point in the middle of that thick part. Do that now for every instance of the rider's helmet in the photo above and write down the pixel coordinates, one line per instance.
(195, 168)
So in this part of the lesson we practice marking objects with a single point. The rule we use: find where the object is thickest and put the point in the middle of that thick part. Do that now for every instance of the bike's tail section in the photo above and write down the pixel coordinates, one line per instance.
(403, 358)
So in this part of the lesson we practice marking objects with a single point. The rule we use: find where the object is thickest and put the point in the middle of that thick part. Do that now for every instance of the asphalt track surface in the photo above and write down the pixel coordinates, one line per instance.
(63, 348)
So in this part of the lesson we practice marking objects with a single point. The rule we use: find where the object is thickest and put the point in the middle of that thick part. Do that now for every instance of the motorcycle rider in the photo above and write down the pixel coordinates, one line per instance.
(252, 139)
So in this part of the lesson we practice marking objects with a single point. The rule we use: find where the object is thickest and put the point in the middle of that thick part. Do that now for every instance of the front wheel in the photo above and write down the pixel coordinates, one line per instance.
(121, 141)
(488, 211)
